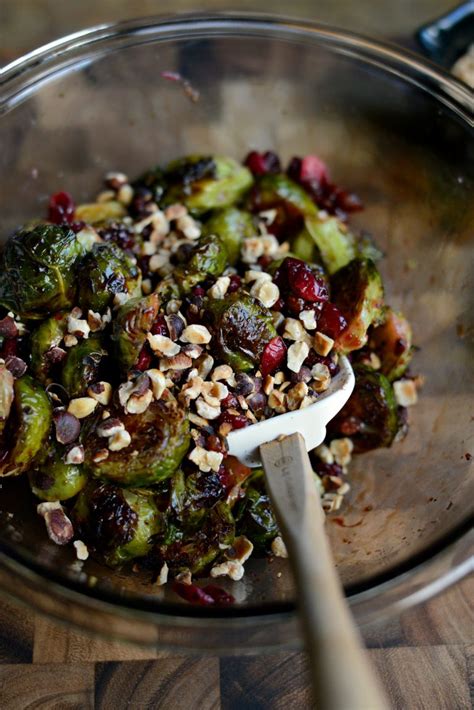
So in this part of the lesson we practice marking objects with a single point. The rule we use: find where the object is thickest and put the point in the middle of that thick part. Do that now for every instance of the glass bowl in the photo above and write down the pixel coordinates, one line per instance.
(392, 128)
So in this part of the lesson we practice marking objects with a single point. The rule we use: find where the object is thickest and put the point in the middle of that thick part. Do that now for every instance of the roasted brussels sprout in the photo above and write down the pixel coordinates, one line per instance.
(37, 271)
(81, 366)
(100, 212)
(159, 440)
(205, 183)
(392, 342)
(199, 549)
(6, 395)
(53, 479)
(357, 291)
(370, 417)
(191, 495)
(153, 181)
(44, 339)
(255, 516)
(119, 523)
(209, 258)
(131, 326)
(27, 427)
(103, 272)
(281, 192)
(333, 243)
(232, 226)
(243, 327)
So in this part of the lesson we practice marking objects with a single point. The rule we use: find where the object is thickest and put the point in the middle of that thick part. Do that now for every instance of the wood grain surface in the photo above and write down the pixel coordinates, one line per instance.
(425, 658)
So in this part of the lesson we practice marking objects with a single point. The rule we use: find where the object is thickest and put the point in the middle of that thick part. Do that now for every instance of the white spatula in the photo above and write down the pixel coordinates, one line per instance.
(341, 675)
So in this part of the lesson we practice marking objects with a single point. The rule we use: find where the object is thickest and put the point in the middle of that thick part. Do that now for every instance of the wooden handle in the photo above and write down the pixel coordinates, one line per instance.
(341, 674)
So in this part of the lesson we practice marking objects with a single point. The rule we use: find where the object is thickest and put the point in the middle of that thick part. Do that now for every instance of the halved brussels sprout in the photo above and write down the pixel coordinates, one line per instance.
(205, 183)
(334, 245)
(254, 514)
(105, 271)
(44, 338)
(280, 191)
(53, 479)
(192, 495)
(200, 549)
(357, 291)
(131, 326)
(370, 417)
(232, 226)
(159, 440)
(99, 212)
(242, 327)
(81, 366)
(6, 395)
(28, 427)
(119, 523)
(209, 258)
(37, 271)
(392, 341)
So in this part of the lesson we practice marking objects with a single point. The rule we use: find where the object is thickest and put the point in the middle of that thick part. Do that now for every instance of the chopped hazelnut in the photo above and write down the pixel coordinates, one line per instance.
(341, 449)
(277, 401)
(222, 372)
(100, 455)
(137, 404)
(295, 395)
(251, 250)
(120, 441)
(205, 366)
(297, 354)
(268, 384)
(82, 553)
(78, 326)
(308, 319)
(206, 410)
(70, 340)
(219, 289)
(109, 427)
(230, 568)
(294, 330)
(323, 344)
(196, 334)
(193, 388)
(278, 547)
(158, 382)
(253, 275)
(81, 407)
(324, 453)
(267, 292)
(101, 392)
(75, 455)
(214, 392)
(206, 460)
(163, 345)
(163, 575)
(405, 393)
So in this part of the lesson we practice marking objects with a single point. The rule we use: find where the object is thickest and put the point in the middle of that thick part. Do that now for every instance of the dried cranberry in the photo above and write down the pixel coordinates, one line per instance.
(199, 291)
(219, 595)
(8, 327)
(77, 226)
(273, 355)
(295, 305)
(330, 363)
(262, 163)
(61, 208)
(213, 443)
(307, 169)
(235, 283)
(192, 593)
(278, 306)
(9, 348)
(118, 234)
(159, 327)
(265, 261)
(303, 283)
(144, 359)
(237, 421)
(328, 469)
(331, 321)
(230, 401)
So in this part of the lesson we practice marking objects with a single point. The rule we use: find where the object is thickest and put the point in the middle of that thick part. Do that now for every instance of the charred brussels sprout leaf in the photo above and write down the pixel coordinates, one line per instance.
(209, 258)
(28, 427)
(255, 517)
(131, 326)
(334, 245)
(81, 366)
(117, 522)
(280, 191)
(232, 226)
(37, 271)
(191, 495)
(44, 339)
(54, 479)
(205, 183)
(153, 180)
(242, 329)
(6, 395)
(103, 272)
(159, 440)
(357, 291)
(370, 417)
(200, 549)
(392, 341)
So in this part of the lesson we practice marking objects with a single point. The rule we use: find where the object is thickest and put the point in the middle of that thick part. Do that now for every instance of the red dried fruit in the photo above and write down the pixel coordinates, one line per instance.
(237, 421)
(262, 163)
(193, 594)
(235, 283)
(77, 226)
(9, 348)
(273, 355)
(61, 208)
(219, 595)
(68, 427)
(8, 328)
(229, 401)
(331, 322)
(144, 359)
(160, 327)
(199, 291)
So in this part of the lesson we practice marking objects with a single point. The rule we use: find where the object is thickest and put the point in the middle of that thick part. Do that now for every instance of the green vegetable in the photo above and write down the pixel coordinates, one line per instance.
(392, 341)
(192, 495)
(103, 272)
(28, 426)
(205, 183)
(54, 479)
(256, 519)
(46, 336)
(117, 522)
(232, 226)
(159, 440)
(153, 180)
(37, 271)
(357, 291)
(209, 258)
(334, 245)
(280, 191)
(370, 417)
(198, 550)
(81, 366)
(242, 328)
(131, 326)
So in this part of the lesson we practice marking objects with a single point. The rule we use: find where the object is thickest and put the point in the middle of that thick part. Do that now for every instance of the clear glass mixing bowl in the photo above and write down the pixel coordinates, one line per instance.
(392, 128)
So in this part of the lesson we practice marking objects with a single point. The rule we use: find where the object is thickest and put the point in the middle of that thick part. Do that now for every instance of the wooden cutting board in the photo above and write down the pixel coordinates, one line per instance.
(425, 659)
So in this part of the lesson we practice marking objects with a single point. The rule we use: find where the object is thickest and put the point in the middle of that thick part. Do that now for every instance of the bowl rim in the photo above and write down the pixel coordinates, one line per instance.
(22, 77)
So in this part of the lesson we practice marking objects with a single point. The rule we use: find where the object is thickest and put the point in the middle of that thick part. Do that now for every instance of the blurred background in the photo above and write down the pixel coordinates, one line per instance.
(26, 24)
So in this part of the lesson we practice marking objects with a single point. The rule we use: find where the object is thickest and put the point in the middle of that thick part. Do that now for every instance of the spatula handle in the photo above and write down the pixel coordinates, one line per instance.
(341, 674)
